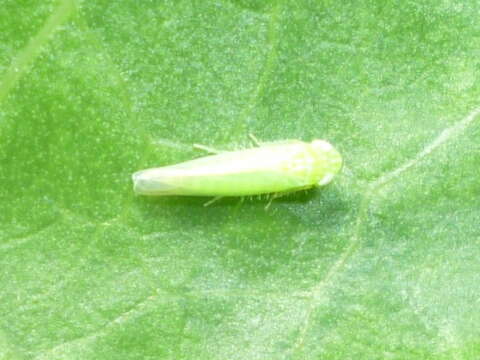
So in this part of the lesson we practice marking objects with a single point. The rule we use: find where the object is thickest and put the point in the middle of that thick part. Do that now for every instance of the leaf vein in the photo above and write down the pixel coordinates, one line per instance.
(317, 291)
(446, 135)
(20, 64)
(272, 43)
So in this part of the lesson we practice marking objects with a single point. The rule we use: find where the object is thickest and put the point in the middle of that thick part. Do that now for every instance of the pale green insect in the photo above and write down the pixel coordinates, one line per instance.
(271, 168)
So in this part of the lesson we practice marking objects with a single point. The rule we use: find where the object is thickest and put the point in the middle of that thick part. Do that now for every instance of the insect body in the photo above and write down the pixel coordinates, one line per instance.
(276, 167)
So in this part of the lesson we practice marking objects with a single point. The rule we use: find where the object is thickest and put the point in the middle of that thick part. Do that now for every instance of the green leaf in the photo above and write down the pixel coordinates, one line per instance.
(381, 264)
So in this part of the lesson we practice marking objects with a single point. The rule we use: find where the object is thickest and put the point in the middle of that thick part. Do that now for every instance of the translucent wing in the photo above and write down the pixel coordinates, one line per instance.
(236, 173)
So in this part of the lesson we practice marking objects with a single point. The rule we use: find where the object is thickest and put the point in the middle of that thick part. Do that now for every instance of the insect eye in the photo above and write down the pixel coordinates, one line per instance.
(326, 179)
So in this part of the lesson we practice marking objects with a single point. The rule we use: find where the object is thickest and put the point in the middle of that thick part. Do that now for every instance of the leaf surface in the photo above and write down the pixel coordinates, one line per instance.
(381, 264)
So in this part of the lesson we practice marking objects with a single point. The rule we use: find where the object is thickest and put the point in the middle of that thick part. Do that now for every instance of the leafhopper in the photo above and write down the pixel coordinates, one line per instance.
(270, 168)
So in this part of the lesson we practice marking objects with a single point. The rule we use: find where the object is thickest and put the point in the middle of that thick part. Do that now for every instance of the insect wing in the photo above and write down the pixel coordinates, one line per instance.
(236, 173)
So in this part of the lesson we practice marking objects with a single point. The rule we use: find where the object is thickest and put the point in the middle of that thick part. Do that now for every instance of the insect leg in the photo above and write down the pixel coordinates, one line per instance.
(255, 140)
(277, 195)
(272, 197)
(207, 149)
(211, 201)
